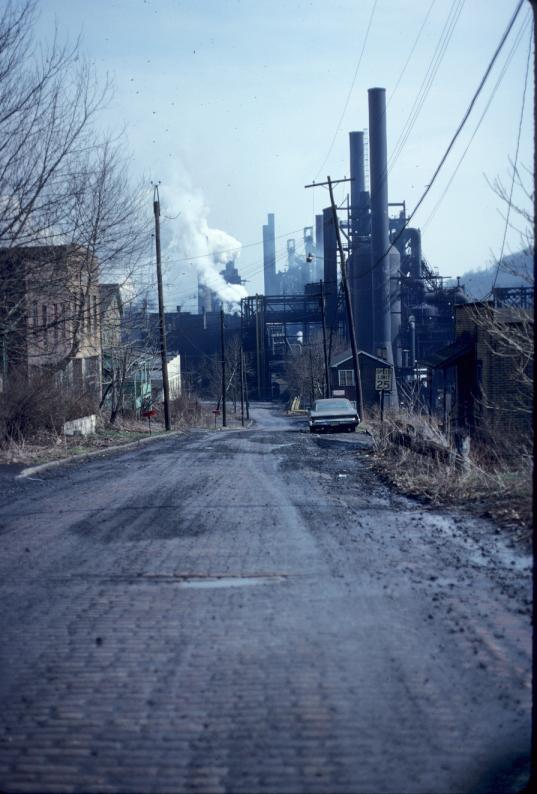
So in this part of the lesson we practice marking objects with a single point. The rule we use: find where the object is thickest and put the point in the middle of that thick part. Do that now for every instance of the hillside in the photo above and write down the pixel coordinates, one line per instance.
(517, 271)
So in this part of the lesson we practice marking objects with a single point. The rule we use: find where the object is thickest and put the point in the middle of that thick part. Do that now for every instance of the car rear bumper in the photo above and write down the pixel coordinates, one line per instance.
(347, 421)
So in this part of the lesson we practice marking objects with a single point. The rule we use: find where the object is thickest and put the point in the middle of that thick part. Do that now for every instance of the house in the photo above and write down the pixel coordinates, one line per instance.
(342, 376)
(492, 360)
(49, 315)
(174, 377)
(126, 379)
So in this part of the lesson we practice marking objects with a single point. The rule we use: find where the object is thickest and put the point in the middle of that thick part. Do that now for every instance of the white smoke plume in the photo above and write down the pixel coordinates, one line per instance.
(191, 245)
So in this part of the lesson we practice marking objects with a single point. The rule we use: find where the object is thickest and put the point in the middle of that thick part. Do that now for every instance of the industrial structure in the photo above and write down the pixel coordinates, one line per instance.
(402, 310)
(208, 299)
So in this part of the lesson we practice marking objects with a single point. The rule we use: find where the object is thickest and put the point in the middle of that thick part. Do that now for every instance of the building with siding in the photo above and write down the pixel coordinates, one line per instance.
(342, 376)
(492, 359)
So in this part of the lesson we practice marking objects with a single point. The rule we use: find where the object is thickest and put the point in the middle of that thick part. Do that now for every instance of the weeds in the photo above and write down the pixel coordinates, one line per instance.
(490, 483)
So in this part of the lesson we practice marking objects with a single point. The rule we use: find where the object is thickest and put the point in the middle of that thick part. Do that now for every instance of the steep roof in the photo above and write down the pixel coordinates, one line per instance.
(347, 356)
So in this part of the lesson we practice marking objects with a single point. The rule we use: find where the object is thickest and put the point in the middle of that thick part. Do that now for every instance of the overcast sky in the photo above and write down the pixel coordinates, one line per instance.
(233, 106)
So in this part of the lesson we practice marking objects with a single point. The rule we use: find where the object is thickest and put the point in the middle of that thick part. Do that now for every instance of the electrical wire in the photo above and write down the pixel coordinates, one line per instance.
(454, 137)
(434, 64)
(347, 100)
(225, 250)
(519, 133)
(412, 49)
(505, 67)
(470, 108)
(428, 80)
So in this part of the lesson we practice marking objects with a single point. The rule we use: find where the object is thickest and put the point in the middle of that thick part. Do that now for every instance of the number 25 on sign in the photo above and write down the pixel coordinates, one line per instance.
(383, 379)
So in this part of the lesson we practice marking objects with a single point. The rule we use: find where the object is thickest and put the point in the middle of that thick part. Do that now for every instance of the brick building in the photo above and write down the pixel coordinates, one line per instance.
(492, 357)
(49, 315)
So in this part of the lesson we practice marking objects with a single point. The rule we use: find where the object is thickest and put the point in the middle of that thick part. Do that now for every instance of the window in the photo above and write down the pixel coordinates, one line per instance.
(346, 377)
(56, 323)
(34, 316)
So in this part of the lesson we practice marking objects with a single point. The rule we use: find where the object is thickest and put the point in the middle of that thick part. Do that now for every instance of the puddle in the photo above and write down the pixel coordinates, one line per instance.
(192, 581)
(239, 581)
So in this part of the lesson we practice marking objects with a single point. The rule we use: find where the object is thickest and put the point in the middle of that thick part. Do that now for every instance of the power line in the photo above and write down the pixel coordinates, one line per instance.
(346, 105)
(515, 162)
(455, 135)
(226, 250)
(478, 125)
(427, 82)
(469, 109)
(414, 45)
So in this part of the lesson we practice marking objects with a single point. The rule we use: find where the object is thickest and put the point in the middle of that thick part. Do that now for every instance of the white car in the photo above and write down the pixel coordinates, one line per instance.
(335, 413)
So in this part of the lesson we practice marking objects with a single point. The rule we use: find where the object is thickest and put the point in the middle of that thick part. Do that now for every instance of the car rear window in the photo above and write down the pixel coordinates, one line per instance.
(331, 405)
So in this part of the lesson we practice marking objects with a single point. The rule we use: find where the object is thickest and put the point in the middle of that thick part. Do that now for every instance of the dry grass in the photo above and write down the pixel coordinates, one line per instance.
(40, 444)
(493, 485)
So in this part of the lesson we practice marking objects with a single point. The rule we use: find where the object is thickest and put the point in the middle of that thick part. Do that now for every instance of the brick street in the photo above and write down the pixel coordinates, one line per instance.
(254, 611)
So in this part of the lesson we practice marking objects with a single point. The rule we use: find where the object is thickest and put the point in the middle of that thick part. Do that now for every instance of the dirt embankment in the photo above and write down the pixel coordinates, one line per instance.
(483, 484)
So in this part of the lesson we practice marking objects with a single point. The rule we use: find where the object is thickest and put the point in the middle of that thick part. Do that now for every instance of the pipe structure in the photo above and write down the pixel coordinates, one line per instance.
(318, 271)
(380, 241)
(330, 267)
(356, 145)
(360, 277)
(269, 256)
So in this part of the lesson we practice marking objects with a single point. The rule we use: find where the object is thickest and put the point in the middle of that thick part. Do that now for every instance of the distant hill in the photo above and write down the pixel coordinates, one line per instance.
(516, 271)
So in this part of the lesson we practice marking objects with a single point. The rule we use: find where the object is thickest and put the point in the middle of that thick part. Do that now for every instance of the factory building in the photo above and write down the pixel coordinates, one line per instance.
(401, 308)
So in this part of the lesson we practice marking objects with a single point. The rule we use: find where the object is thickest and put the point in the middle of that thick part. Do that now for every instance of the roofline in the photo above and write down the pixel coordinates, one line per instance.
(362, 353)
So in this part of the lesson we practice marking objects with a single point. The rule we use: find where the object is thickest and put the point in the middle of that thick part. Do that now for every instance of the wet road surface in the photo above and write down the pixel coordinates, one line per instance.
(253, 611)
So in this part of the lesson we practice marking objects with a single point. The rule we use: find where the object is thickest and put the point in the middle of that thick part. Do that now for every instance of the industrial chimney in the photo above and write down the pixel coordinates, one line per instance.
(269, 256)
(385, 260)
(360, 276)
(330, 267)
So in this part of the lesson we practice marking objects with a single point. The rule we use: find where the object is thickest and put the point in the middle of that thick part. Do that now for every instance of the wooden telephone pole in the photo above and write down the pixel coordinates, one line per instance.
(223, 352)
(325, 352)
(346, 292)
(162, 322)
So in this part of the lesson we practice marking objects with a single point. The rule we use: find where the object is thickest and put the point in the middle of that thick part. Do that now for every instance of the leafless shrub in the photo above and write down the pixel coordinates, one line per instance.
(491, 483)
(187, 411)
(41, 406)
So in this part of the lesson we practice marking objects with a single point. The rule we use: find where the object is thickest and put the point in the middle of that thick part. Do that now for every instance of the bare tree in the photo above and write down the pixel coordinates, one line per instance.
(304, 369)
(69, 217)
(505, 335)
(48, 101)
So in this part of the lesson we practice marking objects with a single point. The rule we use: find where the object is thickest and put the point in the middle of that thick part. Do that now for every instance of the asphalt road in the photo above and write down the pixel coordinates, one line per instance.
(253, 611)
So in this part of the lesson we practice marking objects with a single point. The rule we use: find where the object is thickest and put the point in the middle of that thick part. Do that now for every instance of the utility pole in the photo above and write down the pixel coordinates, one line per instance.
(533, 769)
(222, 347)
(325, 353)
(346, 291)
(246, 398)
(242, 384)
(162, 323)
(241, 353)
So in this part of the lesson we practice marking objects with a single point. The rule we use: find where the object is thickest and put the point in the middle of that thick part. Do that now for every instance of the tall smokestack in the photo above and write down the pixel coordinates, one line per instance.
(360, 278)
(330, 267)
(319, 249)
(356, 143)
(385, 260)
(380, 241)
(269, 256)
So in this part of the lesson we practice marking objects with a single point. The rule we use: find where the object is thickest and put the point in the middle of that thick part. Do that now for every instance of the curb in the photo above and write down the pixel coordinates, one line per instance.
(52, 464)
